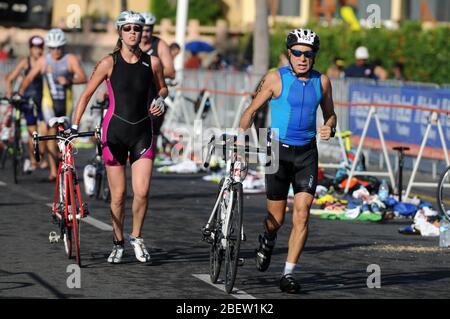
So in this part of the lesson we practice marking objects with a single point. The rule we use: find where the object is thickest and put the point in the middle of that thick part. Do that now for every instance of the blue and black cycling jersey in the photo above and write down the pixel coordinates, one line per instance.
(294, 111)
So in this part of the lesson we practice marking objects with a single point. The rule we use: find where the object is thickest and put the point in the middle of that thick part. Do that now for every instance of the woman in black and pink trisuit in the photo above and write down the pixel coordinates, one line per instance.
(136, 89)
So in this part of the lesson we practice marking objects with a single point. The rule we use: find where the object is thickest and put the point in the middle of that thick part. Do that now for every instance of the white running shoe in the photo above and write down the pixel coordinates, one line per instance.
(139, 249)
(116, 255)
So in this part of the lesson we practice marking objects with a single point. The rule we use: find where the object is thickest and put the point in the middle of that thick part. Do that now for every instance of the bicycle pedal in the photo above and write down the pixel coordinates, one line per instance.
(244, 237)
(53, 237)
(241, 262)
(207, 235)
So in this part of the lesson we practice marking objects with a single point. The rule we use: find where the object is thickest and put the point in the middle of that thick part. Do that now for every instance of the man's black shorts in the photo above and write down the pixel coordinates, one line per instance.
(297, 165)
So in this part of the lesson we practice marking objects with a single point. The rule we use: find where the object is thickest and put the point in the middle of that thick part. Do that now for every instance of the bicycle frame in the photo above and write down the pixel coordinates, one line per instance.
(66, 165)
(68, 207)
(232, 176)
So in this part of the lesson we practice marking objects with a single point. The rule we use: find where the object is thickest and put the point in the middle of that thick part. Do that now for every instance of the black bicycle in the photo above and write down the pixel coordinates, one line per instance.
(101, 188)
(14, 146)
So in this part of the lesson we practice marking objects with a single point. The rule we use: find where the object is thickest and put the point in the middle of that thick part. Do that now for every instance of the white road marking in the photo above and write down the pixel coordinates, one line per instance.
(91, 221)
(97, 223)
(2, 183)
(238, 294)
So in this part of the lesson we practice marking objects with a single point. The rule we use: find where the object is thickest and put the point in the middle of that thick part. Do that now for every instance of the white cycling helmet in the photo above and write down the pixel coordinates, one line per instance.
(55, 38)
(303, 36)
(362, 53)
(150, 19)
(129, 17)
(89, 179)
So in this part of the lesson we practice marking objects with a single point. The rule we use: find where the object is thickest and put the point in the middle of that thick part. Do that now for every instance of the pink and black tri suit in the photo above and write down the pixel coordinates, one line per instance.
(127, 129)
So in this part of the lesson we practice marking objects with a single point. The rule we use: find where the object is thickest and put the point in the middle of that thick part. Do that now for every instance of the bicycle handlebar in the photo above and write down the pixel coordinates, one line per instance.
(246, 149)
(17, 101)
(37, 139)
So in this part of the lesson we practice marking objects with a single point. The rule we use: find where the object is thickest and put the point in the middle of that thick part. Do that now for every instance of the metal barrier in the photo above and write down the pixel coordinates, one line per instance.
(229, 93)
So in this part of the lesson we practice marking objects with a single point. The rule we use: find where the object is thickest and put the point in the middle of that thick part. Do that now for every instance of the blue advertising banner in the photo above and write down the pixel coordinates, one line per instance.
(399, 124)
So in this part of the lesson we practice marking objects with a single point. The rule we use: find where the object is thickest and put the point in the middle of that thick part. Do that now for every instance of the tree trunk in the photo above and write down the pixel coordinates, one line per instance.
(261, 38)
(123, 5)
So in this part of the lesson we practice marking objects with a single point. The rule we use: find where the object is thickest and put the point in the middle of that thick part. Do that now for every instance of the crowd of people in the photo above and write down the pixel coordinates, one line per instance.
(362, 68)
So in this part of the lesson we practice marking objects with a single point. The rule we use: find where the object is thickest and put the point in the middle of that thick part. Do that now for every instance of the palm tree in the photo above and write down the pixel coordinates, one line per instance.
(123, 5)
(261, 38)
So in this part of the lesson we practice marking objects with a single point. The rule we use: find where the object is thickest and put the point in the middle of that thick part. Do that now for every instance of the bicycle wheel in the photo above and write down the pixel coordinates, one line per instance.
(443, 193)
(16, 153)
(216, 251)
(233, 238)
(4, 156)
(75, 223)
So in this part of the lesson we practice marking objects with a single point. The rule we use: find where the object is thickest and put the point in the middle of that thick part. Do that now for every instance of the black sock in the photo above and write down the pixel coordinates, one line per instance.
(118, 242)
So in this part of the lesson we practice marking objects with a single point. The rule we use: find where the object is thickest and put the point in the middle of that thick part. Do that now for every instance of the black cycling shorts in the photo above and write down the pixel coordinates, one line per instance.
(298, 165)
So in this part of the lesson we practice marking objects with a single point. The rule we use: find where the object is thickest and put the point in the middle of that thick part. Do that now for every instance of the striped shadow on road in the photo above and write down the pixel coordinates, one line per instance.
(238, 294)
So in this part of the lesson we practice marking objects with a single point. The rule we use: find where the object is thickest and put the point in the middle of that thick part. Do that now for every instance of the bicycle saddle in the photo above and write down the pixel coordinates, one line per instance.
(59, 120)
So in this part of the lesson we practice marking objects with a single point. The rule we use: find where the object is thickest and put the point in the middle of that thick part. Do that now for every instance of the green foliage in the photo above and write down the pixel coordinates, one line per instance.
(206, 11)
(425, 53)
(164, 9)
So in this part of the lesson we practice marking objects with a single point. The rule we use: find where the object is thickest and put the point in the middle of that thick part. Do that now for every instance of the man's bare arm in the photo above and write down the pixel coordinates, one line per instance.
(79, 74)
(264, 92)
(159, 77)
(166, 59)
(327, 105)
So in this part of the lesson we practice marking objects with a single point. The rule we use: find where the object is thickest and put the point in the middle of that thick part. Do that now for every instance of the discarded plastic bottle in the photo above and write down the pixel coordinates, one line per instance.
(383, 191)
(444, 234)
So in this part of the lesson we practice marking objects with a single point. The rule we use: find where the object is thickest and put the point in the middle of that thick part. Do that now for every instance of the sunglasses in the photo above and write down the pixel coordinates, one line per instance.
(55, 48)
(135, 28)
(308, 54)
(148, 30)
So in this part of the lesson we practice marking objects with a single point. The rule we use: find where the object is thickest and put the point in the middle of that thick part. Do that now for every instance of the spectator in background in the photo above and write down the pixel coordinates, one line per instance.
(349, 15)
(398, 70)
(217, 62)
(4, 55)
(380, 72)
(361, 68)
(193, 62)
(174, 49)
(336, 69)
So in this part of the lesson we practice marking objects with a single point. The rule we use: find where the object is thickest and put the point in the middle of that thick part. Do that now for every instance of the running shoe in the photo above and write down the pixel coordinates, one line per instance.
(116, 255)
(139, 249)
(289, 284)
(264, 252)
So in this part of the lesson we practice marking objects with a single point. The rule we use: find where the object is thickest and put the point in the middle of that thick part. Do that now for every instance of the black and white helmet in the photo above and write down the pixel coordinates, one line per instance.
(129, 17)
(150, 19)
(303, 36)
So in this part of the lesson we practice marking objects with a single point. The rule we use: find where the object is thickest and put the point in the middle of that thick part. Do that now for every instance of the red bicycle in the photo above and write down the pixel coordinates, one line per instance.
(68, 207)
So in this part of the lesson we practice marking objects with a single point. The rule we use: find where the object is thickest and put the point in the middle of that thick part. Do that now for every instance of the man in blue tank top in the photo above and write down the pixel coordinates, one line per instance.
(294, 93)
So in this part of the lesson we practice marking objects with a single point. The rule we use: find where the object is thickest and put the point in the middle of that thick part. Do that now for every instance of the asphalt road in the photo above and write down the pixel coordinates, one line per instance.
(333, 265)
